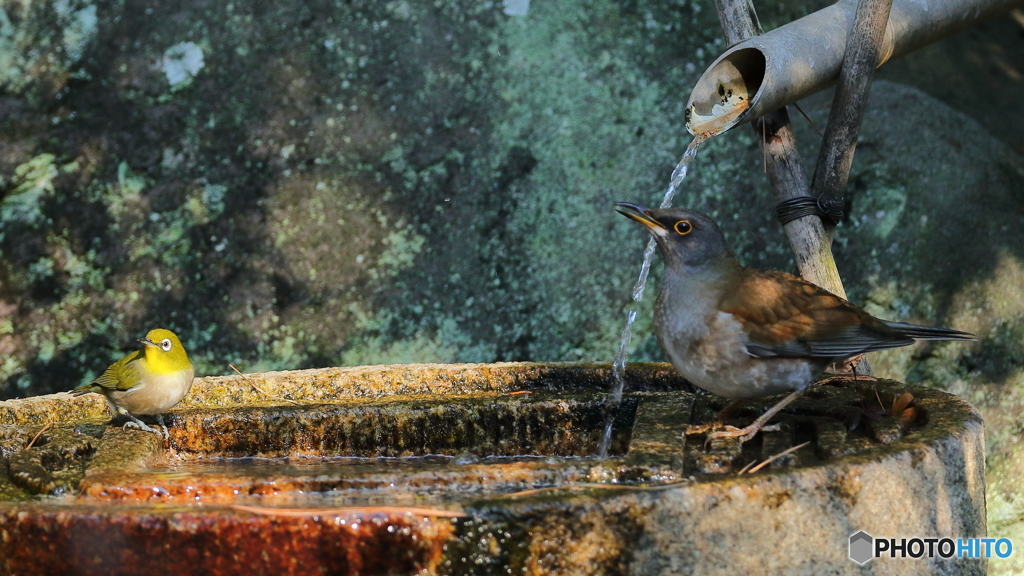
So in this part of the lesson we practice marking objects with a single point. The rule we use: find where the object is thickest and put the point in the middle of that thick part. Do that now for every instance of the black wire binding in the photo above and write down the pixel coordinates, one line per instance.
(789, 210)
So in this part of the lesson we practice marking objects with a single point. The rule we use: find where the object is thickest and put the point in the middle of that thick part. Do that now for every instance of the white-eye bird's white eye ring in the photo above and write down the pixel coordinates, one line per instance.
(165, 344)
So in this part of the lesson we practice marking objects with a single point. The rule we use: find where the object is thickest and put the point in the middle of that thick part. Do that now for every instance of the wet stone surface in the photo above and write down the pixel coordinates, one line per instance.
(498, 473)
(833, 419)
(56, 465)
(401, 449)
(533, 424)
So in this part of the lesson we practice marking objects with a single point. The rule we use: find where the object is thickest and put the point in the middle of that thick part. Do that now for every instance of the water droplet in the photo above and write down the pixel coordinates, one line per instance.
(465, 458)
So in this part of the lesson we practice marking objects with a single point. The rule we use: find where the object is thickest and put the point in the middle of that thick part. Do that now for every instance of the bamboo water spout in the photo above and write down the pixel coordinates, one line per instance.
(767, 72)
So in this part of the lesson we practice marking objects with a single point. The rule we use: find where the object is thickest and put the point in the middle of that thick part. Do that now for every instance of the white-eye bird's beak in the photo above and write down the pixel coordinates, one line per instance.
(147, 342)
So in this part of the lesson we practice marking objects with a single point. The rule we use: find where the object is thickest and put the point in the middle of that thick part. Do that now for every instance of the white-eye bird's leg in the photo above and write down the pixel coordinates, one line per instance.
(160, 419)
(745, 434)
(136, 423)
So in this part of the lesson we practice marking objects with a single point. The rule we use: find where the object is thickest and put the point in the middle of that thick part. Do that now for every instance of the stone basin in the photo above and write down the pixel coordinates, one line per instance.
(483, 469)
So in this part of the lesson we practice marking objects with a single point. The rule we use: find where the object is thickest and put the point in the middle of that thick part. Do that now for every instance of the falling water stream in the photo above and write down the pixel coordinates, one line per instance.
(619, 366)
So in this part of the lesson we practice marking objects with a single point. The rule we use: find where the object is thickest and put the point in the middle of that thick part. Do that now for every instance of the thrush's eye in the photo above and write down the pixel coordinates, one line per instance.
(683, 227)
(165, 344)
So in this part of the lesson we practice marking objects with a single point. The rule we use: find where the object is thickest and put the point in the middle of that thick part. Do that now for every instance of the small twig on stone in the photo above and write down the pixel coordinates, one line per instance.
(774, 458)
(260, 390)
(747, 467)
(38, 434)
(520, 392)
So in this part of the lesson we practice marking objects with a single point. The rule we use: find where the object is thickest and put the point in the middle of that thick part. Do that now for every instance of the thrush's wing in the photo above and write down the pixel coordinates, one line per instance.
(785, 316)
(117, 377)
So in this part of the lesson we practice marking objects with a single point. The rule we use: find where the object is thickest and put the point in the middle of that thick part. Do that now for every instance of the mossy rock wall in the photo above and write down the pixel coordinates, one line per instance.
(334, 183)
(294, 185)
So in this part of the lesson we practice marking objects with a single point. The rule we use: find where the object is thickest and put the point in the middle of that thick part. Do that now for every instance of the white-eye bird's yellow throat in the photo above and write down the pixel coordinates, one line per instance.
(147, 381)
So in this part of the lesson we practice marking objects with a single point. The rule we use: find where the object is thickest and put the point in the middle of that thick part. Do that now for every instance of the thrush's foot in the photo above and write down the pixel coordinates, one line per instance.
(742, 434)
(745, 434)
(846, 367)
(718, 421)
(828, 378)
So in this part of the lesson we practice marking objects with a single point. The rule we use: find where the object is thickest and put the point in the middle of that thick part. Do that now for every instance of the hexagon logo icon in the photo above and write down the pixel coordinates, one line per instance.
(861, 545)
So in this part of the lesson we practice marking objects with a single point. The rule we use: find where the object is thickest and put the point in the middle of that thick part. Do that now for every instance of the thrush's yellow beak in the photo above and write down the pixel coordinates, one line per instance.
(640, 214)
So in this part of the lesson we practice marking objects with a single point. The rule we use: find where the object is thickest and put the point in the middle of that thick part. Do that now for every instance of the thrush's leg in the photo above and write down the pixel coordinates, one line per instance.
(716, 422)
(845, 366)
(744, 434)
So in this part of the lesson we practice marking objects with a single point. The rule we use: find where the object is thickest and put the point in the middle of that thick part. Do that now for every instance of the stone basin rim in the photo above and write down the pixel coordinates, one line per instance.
(965, 423)
(936, 470)
(364, 382)
(392, 381)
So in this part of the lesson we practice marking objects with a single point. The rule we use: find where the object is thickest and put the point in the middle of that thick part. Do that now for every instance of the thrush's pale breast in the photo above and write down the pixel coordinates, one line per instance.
(708, 347)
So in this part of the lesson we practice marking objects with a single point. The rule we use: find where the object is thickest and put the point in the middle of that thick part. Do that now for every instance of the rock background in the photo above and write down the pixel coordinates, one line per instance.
(335, 183)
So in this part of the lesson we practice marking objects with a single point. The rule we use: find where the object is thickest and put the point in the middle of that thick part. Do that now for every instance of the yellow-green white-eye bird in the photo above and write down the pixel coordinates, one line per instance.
(147, 381)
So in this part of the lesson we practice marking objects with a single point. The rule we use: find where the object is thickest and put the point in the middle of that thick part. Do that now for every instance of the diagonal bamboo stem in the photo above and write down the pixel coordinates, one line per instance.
(840, 141)
(785, 168)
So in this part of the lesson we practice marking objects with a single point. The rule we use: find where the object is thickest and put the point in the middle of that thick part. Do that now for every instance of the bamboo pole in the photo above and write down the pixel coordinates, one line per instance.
(835, 157)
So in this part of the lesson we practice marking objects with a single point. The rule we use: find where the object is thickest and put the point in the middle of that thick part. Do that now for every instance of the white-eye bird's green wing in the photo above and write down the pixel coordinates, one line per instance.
(121, 375)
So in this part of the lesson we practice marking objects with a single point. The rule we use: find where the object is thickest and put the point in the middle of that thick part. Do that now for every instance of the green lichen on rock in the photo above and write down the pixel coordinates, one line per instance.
(42, 42)
(329, 184)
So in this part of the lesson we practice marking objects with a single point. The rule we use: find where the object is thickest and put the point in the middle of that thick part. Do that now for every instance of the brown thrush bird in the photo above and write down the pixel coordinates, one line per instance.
(743, 333)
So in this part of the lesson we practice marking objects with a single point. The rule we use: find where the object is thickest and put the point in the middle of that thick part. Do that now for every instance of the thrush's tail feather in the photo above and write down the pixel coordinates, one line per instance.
(855, 340)
(825, 349)
(928, 332)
